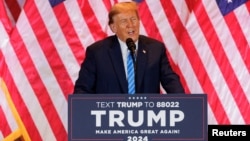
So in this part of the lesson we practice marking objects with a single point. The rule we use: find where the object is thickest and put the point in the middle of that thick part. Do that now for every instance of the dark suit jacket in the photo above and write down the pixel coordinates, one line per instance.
(103, 71)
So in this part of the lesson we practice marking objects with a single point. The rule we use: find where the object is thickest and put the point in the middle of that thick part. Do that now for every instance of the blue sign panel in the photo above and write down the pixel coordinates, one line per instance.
(140, 117)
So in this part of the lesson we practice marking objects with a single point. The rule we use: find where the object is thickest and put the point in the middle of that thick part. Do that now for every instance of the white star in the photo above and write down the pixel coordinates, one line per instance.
(229, 1)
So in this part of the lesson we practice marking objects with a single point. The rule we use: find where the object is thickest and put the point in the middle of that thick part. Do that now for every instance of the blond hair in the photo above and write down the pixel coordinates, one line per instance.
(120, 7)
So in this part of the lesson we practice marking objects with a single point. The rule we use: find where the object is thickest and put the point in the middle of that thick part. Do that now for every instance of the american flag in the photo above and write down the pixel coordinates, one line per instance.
(42, 44)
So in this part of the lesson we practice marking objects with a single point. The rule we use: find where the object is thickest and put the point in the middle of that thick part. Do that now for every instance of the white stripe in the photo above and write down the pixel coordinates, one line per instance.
(4, 37)
(7, 111)
(27, 93)
(78, 22)
(229, 46)
(101, 14)
(21, 3)
(179, 54)
(173, 46)
(210, 63)
(211, 119)
(193, 84)
(57, 36)
(176, 51)
(43, 68)
(9, 14)
(182, 10)
(243, 17)
(142, 29)
(231, 49)
(166, 31)
(1, 135)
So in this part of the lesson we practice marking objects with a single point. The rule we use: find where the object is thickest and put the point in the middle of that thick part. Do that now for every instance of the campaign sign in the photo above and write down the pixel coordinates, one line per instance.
(139, 117)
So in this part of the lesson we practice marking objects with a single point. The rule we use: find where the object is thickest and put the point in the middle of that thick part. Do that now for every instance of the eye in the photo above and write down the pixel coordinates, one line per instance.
(124, 21)
(134, 20)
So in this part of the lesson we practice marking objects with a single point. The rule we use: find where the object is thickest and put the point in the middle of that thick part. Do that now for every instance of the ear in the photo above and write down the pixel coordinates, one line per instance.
(113, 28)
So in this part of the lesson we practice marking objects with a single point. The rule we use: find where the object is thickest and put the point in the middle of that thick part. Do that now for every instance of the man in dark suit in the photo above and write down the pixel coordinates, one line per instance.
(104, 68)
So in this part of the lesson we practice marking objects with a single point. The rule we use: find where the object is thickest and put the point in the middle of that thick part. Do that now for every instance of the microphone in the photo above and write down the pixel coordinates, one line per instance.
(131, 45)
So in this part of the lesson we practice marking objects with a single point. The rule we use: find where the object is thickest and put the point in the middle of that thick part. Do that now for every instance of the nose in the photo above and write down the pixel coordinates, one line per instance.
(130, 23)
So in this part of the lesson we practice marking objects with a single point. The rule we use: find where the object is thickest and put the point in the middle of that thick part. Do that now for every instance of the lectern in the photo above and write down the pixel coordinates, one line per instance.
(139, 117)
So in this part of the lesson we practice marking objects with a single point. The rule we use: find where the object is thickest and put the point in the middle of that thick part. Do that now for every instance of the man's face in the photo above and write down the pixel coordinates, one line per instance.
(126, 25)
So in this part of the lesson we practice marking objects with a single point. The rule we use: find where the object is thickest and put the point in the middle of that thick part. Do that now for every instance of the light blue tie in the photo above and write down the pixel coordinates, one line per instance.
(131, 74)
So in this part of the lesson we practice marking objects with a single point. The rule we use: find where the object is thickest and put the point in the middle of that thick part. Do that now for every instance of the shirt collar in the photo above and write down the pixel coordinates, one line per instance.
(124, 47)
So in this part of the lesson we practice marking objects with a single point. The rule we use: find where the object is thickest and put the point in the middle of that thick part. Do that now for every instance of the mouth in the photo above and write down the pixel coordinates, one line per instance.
(131, 32)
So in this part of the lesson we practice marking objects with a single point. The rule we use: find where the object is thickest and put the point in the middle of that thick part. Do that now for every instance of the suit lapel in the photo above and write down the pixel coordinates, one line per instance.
(116, 58)
(141, 62)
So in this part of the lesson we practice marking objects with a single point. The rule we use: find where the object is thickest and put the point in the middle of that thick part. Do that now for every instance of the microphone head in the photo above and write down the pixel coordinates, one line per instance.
(131, 45)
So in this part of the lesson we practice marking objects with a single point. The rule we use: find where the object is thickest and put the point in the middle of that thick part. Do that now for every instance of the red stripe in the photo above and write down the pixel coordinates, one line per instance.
(148, 22)
(48, 48)
(91, 20)
(4, 18)
(153, 31)
(115, 1)
(239, 37)
(108, 4)
(18, 102)
(69, 32)
(96, 30)
(38, 86)
(4, 127)
(248, 6)
(14, 8)
(244, 50)
(191, 4)
(223, 62)
(55, 63)
(197, 65)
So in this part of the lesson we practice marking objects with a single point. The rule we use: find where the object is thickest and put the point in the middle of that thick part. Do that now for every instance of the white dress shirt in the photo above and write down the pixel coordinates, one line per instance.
(125, 52)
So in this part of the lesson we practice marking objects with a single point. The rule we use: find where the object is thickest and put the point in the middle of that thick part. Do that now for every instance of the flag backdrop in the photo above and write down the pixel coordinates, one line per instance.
(42, 44)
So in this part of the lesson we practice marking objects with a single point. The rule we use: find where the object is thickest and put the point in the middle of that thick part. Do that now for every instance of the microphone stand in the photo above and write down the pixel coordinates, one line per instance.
(134, 63)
